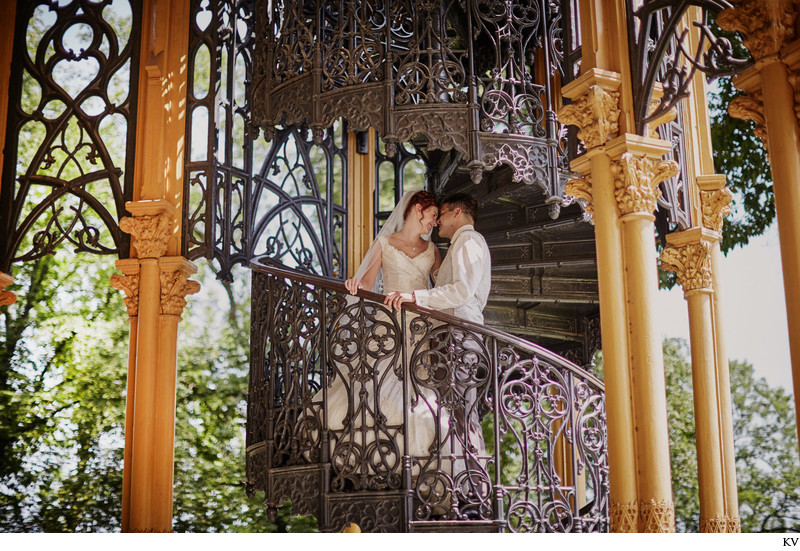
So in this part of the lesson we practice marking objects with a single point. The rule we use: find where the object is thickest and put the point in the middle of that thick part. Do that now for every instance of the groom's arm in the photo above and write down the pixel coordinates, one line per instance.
(468, 262)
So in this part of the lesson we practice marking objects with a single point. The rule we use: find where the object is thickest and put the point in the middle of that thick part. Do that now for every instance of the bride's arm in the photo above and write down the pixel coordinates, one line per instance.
(368, 279)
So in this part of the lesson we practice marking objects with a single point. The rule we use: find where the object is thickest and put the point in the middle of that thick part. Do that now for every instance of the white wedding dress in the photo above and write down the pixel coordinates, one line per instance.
(347, 394)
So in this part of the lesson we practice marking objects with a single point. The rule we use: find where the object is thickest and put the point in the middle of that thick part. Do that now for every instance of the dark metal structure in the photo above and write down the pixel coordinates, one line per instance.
(475, 78)
(544, 467)
(71, 129)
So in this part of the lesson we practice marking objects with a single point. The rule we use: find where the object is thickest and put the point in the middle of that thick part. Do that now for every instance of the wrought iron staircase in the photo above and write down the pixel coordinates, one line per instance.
(540, 464)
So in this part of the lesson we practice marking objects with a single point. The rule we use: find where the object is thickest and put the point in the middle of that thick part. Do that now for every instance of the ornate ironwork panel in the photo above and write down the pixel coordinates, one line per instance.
(418, 419)
(471, 77)
(404, 171)
(673, 212)
(242, 196)
(71, 128)
(660, 53)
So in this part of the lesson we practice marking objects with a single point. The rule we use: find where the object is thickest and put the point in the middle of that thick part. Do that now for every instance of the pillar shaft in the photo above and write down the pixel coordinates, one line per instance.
(361, 177)
(647, 367)
(616, 366)
(783, 139)
(706, 412)
(730, 489)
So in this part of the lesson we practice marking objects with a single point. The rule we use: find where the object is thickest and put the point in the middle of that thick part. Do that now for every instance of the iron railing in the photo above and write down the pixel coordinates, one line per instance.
(361, 414)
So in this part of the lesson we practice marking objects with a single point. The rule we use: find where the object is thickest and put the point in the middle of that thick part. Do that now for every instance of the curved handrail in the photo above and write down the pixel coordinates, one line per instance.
(267, 265)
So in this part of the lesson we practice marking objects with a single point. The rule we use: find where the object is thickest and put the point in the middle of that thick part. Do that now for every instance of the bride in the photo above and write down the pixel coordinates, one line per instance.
(367, 436)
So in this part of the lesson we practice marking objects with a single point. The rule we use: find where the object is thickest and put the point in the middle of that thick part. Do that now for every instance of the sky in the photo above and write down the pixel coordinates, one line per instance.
(754, 309)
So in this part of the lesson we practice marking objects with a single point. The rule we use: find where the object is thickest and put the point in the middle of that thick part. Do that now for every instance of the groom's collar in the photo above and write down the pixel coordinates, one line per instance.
(459, 231)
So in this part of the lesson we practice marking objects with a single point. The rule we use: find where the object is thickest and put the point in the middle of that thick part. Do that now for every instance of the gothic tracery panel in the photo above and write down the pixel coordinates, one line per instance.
(71, 128)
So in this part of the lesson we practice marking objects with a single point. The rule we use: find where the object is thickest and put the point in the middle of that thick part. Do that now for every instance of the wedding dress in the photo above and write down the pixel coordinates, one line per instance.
(349, 409)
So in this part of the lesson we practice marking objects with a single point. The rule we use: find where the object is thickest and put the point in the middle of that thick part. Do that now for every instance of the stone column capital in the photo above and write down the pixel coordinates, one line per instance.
(623, 517)
(596, 113)
(715, 201)
(721, 524)
(128, 282)
(688, 254)
(150, 227)
(6, 297)
(767, 25)
(581, 189)
(638, 169)
(175, 284)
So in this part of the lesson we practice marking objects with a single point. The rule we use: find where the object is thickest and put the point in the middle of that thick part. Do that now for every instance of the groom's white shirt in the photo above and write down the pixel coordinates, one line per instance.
(464, 278)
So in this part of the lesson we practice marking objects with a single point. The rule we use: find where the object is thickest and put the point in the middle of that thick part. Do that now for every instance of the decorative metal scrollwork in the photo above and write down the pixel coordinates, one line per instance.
(242, 196)
(661, 53)
(437, 419)
(449, 75)
(71, 127)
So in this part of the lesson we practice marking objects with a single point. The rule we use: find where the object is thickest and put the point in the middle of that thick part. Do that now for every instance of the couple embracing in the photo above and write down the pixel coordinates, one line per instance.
(406, 262)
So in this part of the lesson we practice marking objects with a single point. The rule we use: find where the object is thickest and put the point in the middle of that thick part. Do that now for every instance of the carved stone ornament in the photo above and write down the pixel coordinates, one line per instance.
(667, 116)
(174, 287)
(636, 180)
(767, 25)
(149, 233)
(750, 108)
(716, 205)
(581, 189)
(596, 114)
(129, 284)
(6, 297)
(721, 524)
(656, 516)
(692, 264)
(623, 517)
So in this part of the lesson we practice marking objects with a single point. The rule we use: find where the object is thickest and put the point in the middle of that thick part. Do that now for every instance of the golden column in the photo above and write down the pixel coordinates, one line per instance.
(361, 178)
(689, 255)
(595, 111)
(155, 280)
(620, 174)
(772, 86)
(638, 170)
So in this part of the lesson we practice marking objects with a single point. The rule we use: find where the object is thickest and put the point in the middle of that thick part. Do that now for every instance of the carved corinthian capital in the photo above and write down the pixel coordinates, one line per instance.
(656, 516)
(750, 108)
(175, 285)
(691, 263)
(129, 284)
(6, 297)
(767, 25)
(623, 517)
(596, 114)
(716, 205)
(581, 189)
(149, 233)
(636, 180)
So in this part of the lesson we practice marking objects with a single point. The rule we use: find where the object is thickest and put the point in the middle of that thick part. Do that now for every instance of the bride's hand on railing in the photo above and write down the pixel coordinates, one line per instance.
(353, 285)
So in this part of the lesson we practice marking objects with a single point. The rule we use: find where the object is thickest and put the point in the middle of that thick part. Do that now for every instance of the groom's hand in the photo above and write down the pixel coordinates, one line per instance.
(396, 299)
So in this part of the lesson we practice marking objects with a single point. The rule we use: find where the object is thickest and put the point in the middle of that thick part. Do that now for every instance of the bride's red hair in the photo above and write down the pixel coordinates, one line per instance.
(423, 198)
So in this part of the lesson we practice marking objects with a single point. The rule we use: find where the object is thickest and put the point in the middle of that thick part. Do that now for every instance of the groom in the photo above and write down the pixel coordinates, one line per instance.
(462, 288)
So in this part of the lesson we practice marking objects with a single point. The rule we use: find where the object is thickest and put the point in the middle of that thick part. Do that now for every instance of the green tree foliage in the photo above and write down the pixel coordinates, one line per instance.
(63, 361)
(768, 473)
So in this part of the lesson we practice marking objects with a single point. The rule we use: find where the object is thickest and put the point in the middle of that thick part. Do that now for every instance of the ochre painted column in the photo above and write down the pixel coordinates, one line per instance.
(715, 203)
(155, 272)
(128, 282)
(6, 297)
(638, 170)
(595, 111)
(770, 28)
(361, 177)
(688, 254)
